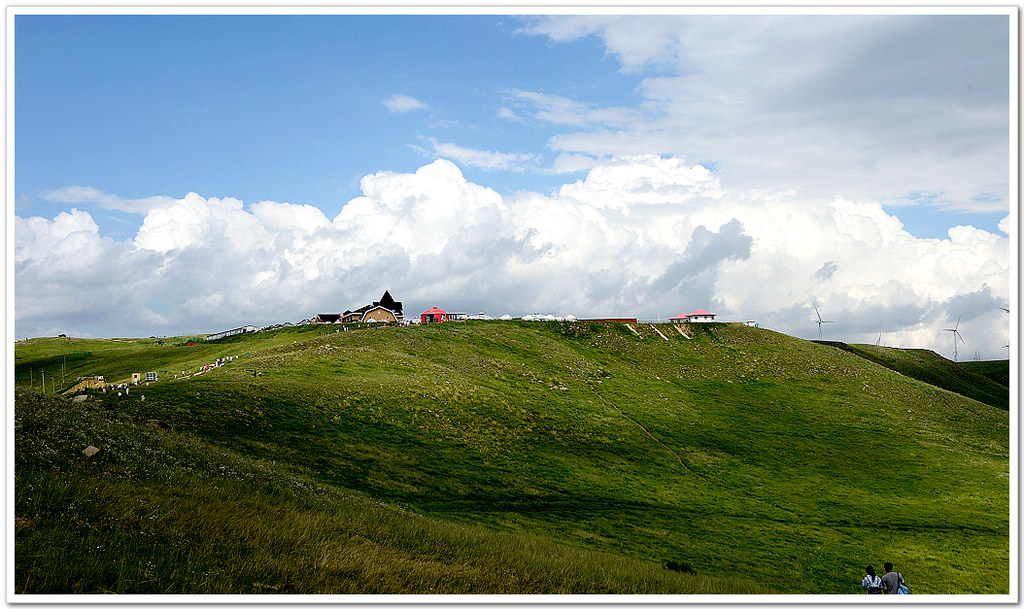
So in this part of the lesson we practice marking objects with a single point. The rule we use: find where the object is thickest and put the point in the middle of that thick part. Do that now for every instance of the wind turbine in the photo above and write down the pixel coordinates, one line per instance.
(956, 334)
(820, 321)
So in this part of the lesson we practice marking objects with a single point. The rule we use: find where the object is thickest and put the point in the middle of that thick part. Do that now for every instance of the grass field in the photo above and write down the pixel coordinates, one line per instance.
(535, 457)
(987, 382)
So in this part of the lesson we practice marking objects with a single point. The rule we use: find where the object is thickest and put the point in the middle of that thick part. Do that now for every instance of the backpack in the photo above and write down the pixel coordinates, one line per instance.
(875, 586)
(903, 589)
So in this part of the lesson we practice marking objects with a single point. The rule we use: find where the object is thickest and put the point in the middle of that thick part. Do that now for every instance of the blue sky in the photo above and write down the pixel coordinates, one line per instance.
(501, 162)
(288, 108)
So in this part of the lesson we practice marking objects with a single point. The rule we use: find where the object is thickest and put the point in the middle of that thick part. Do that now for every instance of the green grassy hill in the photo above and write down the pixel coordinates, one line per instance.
(735, 460)
(987, 382)
(997, 370)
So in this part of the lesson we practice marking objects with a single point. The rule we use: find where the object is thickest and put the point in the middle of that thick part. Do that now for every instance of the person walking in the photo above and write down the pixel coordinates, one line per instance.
(891, 581)
(871, 583)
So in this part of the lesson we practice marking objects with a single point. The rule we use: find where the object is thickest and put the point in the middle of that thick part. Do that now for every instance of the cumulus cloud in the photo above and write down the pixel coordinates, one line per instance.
(646, 236)
(403, 103)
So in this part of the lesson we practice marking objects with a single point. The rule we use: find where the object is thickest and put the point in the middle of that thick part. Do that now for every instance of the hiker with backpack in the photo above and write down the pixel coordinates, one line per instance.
(892, 582)
(871, 583)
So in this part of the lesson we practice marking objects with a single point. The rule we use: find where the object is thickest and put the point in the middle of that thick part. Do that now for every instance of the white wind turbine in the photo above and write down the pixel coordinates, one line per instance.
(956, 334)
(820, 320)
(1006, 346)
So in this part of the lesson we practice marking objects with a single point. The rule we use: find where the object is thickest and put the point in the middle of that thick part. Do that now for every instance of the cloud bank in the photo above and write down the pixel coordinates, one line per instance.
(646, 236)
(833, 103)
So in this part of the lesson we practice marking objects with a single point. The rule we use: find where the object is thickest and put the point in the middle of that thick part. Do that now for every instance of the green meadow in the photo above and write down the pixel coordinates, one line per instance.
(508, 458)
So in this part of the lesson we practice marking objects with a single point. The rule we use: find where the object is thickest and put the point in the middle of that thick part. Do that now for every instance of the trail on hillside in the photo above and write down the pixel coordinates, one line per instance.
(644, 429)
(682, 462)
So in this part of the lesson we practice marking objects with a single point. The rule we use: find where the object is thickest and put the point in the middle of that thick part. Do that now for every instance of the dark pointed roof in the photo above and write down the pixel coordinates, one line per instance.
(388, 302)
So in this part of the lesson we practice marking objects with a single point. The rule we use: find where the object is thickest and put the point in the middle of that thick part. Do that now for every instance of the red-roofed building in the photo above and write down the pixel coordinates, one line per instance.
(699, 316)
(436, 315)
(433, 315)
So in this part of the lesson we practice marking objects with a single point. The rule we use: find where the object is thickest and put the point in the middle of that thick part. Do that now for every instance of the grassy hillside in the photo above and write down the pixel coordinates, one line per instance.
(737, 453)
(987, 382)
(997, 370)
(161, 513)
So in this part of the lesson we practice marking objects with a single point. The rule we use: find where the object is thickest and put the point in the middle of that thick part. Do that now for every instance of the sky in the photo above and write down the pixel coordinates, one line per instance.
(190, 173)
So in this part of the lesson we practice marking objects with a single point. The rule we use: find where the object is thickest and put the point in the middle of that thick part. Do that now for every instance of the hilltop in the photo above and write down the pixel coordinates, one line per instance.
(732, 452)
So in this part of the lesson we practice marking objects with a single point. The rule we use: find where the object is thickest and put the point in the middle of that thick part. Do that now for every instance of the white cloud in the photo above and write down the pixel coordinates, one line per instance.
(483, 159)
(647, 236)
(860, 106)
(403, 103)
(195, 221)
(88, 194)
(571, 163)
(564, 111)
(509, 115)
(1005, 225)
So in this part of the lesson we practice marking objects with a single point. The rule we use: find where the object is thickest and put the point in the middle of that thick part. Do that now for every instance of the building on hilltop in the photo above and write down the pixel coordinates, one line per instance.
(385, 310)
(436, 315)
(697, 317)
(231, 332)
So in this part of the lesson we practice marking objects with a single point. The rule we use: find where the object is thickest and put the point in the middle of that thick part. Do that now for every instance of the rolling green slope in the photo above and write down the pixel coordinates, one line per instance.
(735, 452)
(163, 513)
(995, 370)
(986, 382)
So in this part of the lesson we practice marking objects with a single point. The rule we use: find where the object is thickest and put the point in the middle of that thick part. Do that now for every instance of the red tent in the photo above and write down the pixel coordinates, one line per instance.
(433, 315)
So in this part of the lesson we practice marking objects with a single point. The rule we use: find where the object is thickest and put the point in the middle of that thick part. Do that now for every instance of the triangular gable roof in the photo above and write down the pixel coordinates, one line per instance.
(388, 302)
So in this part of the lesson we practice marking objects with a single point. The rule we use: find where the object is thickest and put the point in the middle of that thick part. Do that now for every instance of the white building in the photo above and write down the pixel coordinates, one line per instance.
(697, 317)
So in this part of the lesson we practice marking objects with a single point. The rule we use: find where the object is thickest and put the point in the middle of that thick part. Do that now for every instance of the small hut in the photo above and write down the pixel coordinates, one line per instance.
(434, 315)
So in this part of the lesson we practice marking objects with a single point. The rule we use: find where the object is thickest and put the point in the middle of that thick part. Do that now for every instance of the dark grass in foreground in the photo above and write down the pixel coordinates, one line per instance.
(155, 512)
